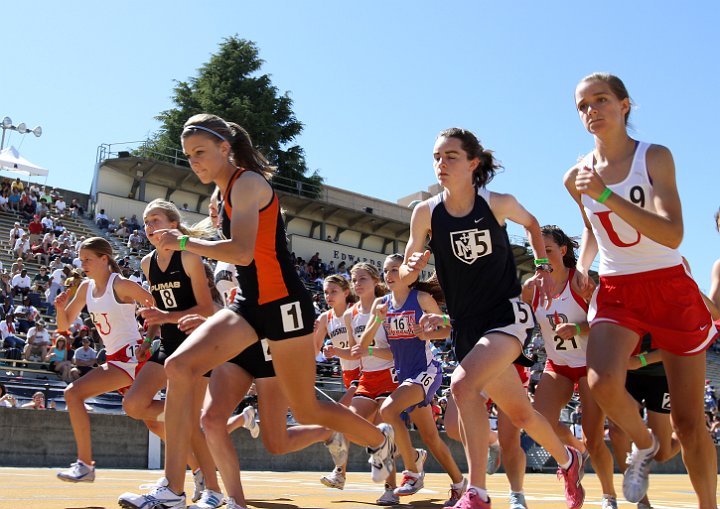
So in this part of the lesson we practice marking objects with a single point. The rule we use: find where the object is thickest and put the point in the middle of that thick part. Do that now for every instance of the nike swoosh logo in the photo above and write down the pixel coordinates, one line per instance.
(704, 327)
(478, 220)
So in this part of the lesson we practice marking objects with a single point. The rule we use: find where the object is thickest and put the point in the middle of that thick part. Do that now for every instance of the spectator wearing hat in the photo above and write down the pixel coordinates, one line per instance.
(21, 283)
(38, 343)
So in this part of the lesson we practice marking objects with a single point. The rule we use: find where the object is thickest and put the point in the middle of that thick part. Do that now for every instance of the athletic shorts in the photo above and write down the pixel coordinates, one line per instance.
(651, 390)
(666, 303)
(512, 317)
(125, 360)
(572, 374)
(350, 375)
(286, 318)
(164, 351)
(256, 360)
(377, 384)
(429, 381)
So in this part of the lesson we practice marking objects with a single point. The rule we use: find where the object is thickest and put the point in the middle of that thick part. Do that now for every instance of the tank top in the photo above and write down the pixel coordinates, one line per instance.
(370, 362)
(473, 258)
(568, 307)
(172, 291)
(271, 274)
(114, 321)
(411, 354)
(339, 337)
(623, 250)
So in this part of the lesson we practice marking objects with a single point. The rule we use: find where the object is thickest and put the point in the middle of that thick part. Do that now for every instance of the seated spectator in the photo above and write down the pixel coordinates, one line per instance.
(133, 223)
(57, 281)
(22, 247)
(37, 402)
(102, 220)
(7, 400)
(113, 226)
(4, 204)
(35, 229)
(134, 242)
(57, 356)
(21, 283)
(14, 200)
(76, 209)
(15, 233)
(17, 267)
(41, 281)
(45, 196)
(41, 209)
(81, 333)
(27, 207)
(8, 330)
(84, 359)
(60, 205)
(26, 314)
(59, 227)
(5, 288)
(38, 343)
(66, 257)
(122, 230)
(47, 222)
(136, 277)
(17, 185)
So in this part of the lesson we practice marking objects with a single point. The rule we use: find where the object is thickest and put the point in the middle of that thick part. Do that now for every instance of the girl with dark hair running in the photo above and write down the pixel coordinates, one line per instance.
(274, 302)
(629, 202)
(490, 324)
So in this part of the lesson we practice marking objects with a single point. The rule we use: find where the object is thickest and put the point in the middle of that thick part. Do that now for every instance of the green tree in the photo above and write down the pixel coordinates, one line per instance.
(231, 86)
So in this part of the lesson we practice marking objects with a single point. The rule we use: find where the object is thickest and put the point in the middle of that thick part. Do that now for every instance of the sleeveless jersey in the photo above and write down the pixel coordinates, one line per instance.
(568, 307)
(412, 355)
(172, 291)
(114, 321)
(623, 250)
(473, 258)
(338, 335)
(369, 362)
(271, 274)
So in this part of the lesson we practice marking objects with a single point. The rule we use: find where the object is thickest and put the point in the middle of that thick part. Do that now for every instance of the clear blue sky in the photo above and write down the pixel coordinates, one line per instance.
(374, 82)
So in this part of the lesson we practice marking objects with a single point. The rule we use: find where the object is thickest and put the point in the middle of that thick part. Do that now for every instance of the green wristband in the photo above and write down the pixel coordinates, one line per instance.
(605, 195)
(378, 320)
(370, 351)
(577, 328)
(643, 360)
(147, 340)
(446, 320)
(183, 241)
(541, 261)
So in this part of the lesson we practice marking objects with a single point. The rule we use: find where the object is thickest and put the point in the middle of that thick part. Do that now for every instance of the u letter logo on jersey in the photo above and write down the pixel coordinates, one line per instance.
(610, 229)
(100, 326)
(469, 245)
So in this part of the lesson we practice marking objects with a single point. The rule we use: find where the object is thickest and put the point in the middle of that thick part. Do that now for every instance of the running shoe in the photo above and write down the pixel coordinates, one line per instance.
(388, 497)
(471, 500)
(335, 479)
(637, 474)
(159, 498)
(411, 483)
(517, 500)
(609, 502)
(338, 448)
(382, 459)
(574, 491)
(151, 486)
(643, 505)
(78, 472)
(199, 481)
(231, 504)
(250, 422)
(420, 460)
(456, 491)
(493, 460)
(209, 500)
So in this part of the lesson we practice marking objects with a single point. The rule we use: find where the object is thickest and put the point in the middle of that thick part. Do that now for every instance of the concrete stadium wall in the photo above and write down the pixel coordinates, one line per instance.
(33, 438)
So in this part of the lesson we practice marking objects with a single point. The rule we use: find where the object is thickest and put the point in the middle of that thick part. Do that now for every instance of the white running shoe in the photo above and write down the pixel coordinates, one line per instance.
(231, 504)
(411, 483)
(388, 497)
(457, 490)
(338, 448)
(637, 474)
(151, 486)
(250, 422)
(159, 498)
(609, 502)
(78, 472)
(335, 479)
(420, 460)
(517, 500)
(199, 481)
(382, 459)
(209, 500)
(493, 460)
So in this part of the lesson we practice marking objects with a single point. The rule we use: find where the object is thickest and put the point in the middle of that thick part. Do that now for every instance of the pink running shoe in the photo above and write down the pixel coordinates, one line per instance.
(574, 492)
(470, 500)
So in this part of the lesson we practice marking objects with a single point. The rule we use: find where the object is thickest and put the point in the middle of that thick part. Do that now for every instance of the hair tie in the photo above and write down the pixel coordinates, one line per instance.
(191, 127)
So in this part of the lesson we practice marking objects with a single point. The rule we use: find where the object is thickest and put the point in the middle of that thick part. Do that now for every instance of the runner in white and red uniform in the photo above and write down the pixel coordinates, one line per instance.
(629, 201)
(111, 301)
(564, 329)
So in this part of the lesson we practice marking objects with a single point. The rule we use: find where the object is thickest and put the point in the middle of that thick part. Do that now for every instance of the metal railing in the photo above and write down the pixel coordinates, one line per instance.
(146, 149)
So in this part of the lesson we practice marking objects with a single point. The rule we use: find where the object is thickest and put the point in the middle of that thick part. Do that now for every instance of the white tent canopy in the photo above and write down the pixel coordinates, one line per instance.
(11, 160)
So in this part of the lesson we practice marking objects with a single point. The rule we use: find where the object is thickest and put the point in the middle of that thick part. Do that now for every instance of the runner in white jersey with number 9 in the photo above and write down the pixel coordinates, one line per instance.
(629, 202)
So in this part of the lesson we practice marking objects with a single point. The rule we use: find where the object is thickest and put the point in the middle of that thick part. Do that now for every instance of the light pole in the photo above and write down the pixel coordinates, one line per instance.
(21, 128)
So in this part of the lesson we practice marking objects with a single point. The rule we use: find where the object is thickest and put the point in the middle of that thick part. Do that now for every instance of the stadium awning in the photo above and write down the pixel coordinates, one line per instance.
(11, 160)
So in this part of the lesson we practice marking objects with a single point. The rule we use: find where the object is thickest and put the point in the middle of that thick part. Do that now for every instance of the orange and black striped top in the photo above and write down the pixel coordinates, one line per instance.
(271, 275)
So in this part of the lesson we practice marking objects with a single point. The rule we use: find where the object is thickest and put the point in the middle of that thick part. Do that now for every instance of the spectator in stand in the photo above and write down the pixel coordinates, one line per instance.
(66, 257)
(22, 247)
(44, 196)
(41, 208)
(102, 220)
(41, 281)
(35, 228)
(5, 288)
(7, 400)
(133, 223)
(14, 200)
(57, 280)
(17, 185)
(47, 222)
(8, 329)
(60, 205)
(4, 200)
(17, 267)
(134, 242)
(81, 333)
(26, 315)
(84, 359)
(37, 402)
(77, 244)
(38, 343)
(57, 356)
(27, 207)
(76, 210)
(21, 283)
(59, 227)
(15, 233)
